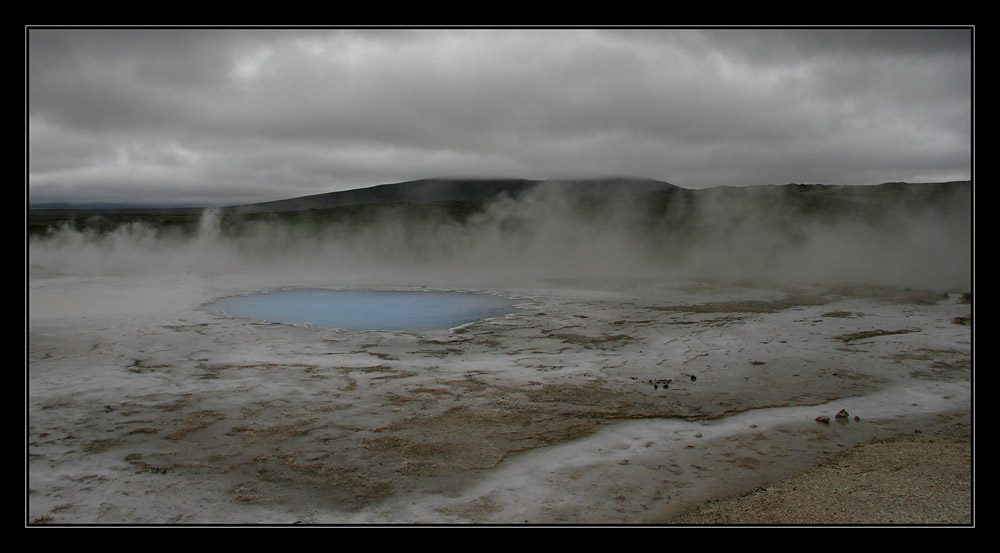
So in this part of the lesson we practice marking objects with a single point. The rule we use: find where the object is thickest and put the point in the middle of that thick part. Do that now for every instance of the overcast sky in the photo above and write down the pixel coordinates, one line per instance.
(231, 116)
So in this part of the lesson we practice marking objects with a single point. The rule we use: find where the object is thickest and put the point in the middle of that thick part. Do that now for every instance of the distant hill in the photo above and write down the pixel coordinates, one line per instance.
(659, 205)
(427, 191)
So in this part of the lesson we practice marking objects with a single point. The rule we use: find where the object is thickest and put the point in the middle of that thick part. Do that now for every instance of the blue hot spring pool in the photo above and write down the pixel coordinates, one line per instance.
(366, 310)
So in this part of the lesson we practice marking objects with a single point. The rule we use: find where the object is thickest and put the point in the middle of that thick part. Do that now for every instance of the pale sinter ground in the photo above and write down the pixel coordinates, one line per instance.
(596, 403)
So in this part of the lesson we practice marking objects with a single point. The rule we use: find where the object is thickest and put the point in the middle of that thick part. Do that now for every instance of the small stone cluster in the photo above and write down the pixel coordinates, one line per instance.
(842, 416)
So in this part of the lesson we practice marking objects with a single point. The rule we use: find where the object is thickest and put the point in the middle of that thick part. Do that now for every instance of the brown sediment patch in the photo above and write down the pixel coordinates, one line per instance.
(854, 375)
(839, 314)
(102, 445)
(395, 375)
(866, 334)
(928, 354)
(747, 462)
(140, 366)
(486, 424)
(193, 422)
(142, 466)
(143, 430)
(790, 301)
(886, 294)
(941, 363)
(742, 306)
(297, 428)
(285, 473)
(459, 438)
(603, 341)
(175, 405)
(215, 370)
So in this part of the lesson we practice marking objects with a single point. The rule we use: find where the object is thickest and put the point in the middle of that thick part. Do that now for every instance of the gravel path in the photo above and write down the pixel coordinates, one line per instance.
(913, 479)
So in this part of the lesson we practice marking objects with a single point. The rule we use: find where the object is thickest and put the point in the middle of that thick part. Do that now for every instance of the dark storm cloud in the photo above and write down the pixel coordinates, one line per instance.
(229, 116)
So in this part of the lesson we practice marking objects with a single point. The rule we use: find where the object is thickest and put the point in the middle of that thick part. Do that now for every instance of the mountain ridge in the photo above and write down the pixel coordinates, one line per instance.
(652, 202)
(432, 190)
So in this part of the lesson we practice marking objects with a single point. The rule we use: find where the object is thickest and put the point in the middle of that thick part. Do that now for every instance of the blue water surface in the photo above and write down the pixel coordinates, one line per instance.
(366, 310)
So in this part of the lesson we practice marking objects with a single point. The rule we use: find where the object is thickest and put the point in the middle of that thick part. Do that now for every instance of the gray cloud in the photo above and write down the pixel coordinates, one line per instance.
(232, 116)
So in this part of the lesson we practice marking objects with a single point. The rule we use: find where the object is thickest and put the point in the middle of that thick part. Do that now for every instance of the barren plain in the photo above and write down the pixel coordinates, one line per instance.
(597, 402)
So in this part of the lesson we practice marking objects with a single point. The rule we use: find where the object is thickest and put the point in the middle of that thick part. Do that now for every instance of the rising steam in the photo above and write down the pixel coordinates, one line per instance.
(547, 235)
